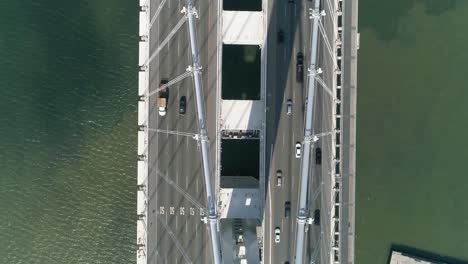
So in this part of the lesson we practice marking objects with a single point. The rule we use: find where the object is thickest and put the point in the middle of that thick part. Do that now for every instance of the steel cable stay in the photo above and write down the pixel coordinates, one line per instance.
(332, 13)
(144, 127)
(316, 249)
(180, 190)
(156, 14)
(327, 42)
(176, 241)
(177, 133)
(172, 82)
(325, 87)
(166, 40)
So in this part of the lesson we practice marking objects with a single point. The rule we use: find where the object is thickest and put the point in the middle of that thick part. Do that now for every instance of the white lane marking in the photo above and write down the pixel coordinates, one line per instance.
(177, 136)
(187, 161)
(179, 211)
(293, 93)
(305, 11)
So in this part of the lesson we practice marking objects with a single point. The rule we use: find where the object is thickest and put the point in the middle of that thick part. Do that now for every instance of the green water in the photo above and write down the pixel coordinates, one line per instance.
(68, 86)
(412, 125)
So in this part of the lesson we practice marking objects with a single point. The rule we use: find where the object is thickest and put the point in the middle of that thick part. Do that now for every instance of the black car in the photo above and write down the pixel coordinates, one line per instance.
(318, 156)
(287, 209)
(182, 105)
(317, 217)
(300, 67)
(280, 36)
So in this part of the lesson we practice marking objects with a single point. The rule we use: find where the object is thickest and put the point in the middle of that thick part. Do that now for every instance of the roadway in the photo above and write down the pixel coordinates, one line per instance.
(176, 196)
(284, 131)
(350, 42)
(175, 185)
(319, 240)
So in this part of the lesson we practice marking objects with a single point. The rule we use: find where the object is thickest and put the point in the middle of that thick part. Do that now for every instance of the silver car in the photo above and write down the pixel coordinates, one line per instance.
(279, 178)
(289, 107)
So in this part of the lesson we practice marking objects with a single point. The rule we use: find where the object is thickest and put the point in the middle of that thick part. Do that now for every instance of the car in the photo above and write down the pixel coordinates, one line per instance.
(287, 209)
(280, 36)
(279, 178)
(289, 107)
(182, 105)
(300, 67)
(318, 156)
(317, 217)
(277, 234)
(298, 149)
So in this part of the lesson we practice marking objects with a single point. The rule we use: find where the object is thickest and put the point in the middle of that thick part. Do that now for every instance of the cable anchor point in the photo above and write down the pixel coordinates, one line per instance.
(314, 13)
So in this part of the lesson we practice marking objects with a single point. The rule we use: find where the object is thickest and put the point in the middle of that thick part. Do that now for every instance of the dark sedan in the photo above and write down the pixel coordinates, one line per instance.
(182, 105)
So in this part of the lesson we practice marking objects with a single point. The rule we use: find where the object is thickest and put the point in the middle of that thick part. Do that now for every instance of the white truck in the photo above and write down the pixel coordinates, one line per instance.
(162, 98)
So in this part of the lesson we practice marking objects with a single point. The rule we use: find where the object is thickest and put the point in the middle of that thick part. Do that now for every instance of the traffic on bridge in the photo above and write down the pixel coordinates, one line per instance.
(246, 131)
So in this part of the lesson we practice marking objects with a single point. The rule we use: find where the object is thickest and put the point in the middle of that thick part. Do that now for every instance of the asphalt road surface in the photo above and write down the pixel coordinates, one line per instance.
(283, 131)
(177, 200)
(175, 182)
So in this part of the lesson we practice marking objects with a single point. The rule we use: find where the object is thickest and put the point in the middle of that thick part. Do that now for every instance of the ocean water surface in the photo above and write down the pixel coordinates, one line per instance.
(68, 90)
(412, 123)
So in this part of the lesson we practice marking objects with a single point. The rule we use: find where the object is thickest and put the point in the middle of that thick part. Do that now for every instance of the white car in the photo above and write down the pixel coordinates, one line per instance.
(298, 150)
(289, 107)
(277, 234)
